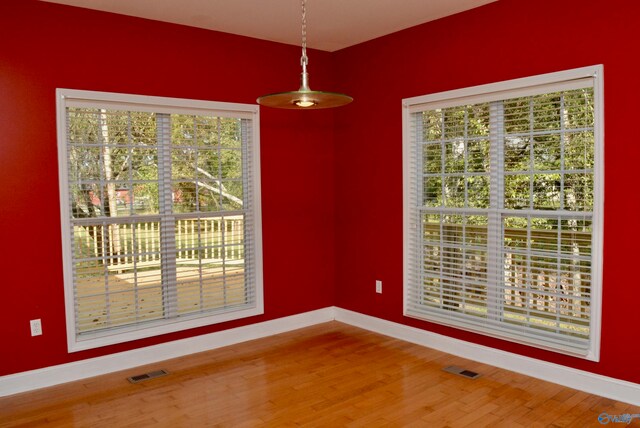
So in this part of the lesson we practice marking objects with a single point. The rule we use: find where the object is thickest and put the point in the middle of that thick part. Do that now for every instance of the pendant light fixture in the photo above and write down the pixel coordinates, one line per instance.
(304, 98)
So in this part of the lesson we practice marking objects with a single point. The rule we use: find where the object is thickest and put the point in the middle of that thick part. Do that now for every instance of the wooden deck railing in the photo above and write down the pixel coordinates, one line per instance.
(545, 270)
(210, 239)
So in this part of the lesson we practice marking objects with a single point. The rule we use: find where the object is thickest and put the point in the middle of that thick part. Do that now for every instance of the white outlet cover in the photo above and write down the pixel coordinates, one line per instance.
(36, 327)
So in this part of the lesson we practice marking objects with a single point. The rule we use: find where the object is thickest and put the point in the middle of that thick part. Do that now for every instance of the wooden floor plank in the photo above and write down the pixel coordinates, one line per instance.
(328, 375)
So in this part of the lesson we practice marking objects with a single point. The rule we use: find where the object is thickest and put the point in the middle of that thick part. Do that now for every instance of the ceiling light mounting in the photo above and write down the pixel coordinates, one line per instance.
(304, 98)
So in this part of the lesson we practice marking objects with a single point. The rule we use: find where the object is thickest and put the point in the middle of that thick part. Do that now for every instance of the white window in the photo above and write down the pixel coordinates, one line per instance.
(160, 206)
(503, 200)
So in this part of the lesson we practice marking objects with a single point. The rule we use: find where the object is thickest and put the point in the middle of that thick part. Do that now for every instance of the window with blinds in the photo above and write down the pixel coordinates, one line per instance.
(503, 194)
(160, 204)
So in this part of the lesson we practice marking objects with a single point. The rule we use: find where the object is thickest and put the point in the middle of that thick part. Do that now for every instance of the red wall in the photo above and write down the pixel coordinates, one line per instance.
(332, 178)
(503, 40)
(45, 46)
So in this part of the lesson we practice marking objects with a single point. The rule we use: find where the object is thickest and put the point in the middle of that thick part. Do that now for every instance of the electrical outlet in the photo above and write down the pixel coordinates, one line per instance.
(378, 286)
(36, 327)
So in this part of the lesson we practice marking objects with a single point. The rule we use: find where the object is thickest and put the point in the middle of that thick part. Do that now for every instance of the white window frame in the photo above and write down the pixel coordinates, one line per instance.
(70, 97)
(495, 92)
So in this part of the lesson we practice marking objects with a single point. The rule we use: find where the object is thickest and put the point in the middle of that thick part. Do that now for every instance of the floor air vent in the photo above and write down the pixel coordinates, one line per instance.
(147, 376)
(462, 372)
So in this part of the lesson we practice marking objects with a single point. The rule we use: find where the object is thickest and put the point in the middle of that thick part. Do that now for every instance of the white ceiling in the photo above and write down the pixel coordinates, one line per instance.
(331, 24)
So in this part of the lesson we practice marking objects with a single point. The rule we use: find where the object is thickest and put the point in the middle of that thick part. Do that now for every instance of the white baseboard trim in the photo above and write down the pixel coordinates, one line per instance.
(603, 386)
(54, 375)
(584, 381)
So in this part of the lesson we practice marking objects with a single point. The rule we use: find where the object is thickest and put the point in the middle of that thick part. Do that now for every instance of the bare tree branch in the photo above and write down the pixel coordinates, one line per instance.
(221, 191)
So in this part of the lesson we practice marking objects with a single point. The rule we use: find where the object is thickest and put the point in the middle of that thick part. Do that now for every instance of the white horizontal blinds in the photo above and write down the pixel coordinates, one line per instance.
(413, 184)
(249, 228)
(549, 153)
(454, 264)
(503, 207)
(167, 236)
(547, 277)
(158, 211)
(454, 173)
(208, 185)
(112, 183)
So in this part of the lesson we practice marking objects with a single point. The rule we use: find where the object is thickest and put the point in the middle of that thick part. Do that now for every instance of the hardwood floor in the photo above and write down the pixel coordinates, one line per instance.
(329, 375)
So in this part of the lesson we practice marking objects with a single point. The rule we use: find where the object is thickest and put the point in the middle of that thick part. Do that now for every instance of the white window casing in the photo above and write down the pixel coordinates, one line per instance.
(161, 214)
(503, 209)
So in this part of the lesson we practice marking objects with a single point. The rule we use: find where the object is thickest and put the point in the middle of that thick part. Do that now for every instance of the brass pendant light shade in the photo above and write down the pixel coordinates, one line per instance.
(304, 98)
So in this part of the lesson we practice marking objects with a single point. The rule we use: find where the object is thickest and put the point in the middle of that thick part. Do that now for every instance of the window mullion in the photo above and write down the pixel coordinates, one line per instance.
(496, 202)
(443, 192)
(167, 220)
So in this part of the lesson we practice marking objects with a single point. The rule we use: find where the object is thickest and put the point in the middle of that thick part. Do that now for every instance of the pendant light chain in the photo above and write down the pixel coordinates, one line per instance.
(304, 60)
(304, 98)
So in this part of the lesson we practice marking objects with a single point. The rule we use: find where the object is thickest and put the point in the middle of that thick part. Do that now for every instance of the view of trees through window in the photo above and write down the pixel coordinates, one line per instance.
(157, 206)
(506, 197)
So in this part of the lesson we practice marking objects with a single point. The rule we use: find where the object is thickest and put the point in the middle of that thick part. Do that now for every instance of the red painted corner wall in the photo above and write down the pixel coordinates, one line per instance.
(331, 181)
(45, 46)
(503, 40)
